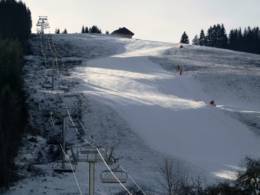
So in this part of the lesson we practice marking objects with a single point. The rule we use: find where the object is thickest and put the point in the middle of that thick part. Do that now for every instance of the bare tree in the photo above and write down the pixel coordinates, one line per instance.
(176, 181)
(173, 177)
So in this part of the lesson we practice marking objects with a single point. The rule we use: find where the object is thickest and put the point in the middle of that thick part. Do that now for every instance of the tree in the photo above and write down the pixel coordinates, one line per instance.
(15, 20)
(95, 29)
(12, 112)
(216, 36)
(65, 31)
(185, 38)
(174, 178)
(202, 39)
(196, 41)
(222, 37)
(83, 29)
(210, 38)
(223, 189)
(250, 179)
(15, 30)
(86, 30)
(248, 40)
(57, 31)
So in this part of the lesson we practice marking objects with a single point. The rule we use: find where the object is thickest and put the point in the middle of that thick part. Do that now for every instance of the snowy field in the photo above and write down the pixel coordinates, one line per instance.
(133, 99)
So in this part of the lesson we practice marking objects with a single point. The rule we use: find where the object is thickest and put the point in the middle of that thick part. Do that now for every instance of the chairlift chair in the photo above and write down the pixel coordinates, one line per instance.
(87, 153)
(69, 165)
(107, 177)
(64, 167)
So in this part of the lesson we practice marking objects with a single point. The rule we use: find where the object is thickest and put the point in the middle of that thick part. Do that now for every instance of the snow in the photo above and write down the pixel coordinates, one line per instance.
(132, 98)
(168, 111)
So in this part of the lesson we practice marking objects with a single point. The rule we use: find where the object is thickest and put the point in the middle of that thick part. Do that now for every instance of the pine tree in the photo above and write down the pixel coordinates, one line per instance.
(195, 41)
(95, 29)
(224, 37)
(15, 20)
(217, 37)
(210, 40)
(57, 31)
(83, 29)
(185, 38)
(12, 112)
(220, 36)
(65, 31)
(247, 40)
(15, 30)
(202, 39)
(86, 30)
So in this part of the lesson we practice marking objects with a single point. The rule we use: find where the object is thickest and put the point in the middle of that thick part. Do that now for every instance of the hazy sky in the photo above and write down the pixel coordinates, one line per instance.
(163, 20)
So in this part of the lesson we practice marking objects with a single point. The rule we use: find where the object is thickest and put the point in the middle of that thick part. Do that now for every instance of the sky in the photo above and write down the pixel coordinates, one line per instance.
(159, 20)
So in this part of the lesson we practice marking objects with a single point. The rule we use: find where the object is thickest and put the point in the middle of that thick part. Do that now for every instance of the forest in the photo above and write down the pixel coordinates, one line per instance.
(247, 40)
(15, 30)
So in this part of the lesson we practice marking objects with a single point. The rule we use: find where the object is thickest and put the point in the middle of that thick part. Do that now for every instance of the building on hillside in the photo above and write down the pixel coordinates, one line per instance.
(123, 32)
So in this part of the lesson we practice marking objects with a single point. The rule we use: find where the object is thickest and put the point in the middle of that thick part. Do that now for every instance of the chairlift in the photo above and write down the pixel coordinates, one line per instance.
(87, 153)
(68, 164)
(64, 167)
(107, 177)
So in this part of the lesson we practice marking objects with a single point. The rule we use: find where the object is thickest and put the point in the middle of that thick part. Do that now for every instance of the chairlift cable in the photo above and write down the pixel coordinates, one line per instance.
(113, 174)
(63, 151)
(71, 166)
(100, 154)
(138, 186)
(108, 167)
(74, 175)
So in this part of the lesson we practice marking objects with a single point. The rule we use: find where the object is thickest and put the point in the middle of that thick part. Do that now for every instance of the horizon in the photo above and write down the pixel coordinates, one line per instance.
(152, 20)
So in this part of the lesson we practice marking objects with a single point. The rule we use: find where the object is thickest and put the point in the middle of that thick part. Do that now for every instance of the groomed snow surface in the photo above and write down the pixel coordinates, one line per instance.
(168, 111)
(167, 114)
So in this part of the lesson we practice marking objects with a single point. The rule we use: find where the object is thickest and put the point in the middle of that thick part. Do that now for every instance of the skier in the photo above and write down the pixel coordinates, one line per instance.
(178, 68)
(181, 70)
(212, 103)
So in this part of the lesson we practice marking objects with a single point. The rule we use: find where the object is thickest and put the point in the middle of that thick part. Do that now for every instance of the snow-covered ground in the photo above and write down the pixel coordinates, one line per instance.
(132, 98)
(169, 111)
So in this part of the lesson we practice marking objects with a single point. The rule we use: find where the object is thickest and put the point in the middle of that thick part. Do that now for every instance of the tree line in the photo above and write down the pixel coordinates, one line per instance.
(15, 30)
(93, 29)
(247, 40)
(58, 31)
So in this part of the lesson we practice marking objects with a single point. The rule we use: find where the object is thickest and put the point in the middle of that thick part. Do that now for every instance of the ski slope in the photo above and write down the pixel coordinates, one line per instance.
(133, 99)
(170, 112)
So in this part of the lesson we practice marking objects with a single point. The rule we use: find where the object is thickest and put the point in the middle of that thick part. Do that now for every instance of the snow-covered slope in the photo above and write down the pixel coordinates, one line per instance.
(134, 99)
(170, 111)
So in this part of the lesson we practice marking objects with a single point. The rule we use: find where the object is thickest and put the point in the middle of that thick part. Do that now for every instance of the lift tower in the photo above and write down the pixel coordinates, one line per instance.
(42, 24)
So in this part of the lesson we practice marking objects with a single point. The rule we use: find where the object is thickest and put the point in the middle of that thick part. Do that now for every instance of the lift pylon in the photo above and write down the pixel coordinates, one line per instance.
(42, 24)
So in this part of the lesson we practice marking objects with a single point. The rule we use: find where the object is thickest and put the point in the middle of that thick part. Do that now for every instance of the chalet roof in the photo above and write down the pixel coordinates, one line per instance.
(124, 31)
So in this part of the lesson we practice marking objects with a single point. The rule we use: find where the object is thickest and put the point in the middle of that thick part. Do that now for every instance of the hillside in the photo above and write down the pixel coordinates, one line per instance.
(130, 97)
